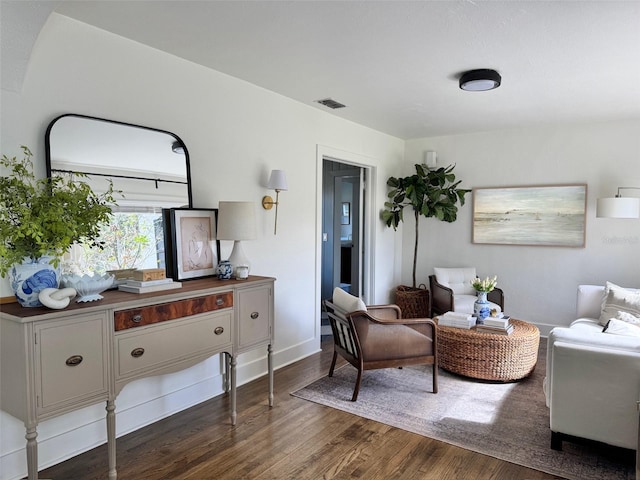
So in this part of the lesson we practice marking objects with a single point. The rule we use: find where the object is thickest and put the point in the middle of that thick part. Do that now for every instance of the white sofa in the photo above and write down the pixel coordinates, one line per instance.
(593, 377)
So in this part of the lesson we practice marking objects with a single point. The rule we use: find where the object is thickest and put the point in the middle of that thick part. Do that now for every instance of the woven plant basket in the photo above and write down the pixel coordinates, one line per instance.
(414, 302)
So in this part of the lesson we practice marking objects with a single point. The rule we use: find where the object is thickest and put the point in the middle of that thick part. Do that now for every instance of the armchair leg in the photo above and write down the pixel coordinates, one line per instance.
(556, 441)
(333, 363)
(435, 378)
(357, 389)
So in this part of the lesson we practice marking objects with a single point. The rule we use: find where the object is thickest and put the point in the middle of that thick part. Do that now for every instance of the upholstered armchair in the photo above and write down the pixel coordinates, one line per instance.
(451, 291)
(373, 337)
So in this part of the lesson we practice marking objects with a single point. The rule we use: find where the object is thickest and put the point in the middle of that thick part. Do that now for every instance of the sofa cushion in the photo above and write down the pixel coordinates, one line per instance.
(619, 299)
(346, 301)
(593, 338)
(618, 327)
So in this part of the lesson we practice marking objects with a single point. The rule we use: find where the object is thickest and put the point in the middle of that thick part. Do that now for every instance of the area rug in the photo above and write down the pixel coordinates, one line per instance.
(508, 421)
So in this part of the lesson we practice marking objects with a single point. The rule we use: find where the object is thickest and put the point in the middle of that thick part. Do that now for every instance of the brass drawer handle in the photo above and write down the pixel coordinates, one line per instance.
(219, 301)
(136, 318)
(137, 352)
(74, 360)
(218, 330)
(255, 315)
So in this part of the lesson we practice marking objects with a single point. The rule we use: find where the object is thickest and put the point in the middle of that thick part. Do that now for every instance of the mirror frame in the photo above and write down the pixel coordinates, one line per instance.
(47, 143)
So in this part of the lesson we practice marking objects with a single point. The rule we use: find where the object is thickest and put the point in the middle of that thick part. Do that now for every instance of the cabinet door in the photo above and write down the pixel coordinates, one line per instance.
(254, 316)
(71, 360)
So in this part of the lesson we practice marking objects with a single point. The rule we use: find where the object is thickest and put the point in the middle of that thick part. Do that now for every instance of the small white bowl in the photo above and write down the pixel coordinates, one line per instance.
(88, 287)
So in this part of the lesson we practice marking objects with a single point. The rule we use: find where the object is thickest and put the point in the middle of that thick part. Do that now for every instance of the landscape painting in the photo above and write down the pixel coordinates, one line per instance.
(537, 215)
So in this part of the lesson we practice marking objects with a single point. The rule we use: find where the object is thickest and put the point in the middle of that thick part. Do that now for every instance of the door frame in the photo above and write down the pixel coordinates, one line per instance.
(368, 217)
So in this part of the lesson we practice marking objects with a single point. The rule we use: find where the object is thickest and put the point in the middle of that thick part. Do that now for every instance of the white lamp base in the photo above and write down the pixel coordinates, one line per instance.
(238, 257)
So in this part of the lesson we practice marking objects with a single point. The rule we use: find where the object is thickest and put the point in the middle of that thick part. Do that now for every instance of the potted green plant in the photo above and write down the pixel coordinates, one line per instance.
(429, 193)
(40, 219)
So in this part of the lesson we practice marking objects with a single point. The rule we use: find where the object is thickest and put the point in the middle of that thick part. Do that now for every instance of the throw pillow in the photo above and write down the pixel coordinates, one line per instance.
(629, 318)
(346, 301)
(618, 327)
(618, 299)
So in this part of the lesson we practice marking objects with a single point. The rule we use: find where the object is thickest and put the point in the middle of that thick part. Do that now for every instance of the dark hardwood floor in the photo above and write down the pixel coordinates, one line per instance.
(296, 439)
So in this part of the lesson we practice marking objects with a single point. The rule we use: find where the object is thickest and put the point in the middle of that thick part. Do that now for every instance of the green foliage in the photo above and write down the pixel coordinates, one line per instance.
(46, 216)
(429, 193)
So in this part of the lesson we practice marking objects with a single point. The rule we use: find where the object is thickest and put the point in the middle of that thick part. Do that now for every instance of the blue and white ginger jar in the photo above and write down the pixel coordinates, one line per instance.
(224, 270)
(30, 277)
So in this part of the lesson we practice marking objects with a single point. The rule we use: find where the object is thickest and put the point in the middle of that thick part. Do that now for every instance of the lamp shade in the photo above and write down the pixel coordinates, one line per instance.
(277, 180)
(618, 207)
(236, 221)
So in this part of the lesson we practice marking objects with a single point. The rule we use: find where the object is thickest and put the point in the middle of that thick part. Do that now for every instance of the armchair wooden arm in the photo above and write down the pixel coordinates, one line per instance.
(385, 311)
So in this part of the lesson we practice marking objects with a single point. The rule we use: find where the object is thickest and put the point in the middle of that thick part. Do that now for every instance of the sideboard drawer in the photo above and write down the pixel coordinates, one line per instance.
(71, 362)
(137, 317)
(139, 351)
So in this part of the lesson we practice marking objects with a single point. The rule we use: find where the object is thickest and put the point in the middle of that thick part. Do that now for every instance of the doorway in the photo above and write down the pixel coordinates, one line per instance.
(343, 202)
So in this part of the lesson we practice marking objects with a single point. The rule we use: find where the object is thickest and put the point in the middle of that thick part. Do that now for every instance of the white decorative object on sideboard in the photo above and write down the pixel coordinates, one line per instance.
(57, 361)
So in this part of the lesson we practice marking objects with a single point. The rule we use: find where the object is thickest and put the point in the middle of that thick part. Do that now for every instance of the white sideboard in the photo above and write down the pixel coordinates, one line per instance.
(56, 361)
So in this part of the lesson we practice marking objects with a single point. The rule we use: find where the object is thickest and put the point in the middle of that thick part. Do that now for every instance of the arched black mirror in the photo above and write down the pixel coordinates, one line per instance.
(149, 166)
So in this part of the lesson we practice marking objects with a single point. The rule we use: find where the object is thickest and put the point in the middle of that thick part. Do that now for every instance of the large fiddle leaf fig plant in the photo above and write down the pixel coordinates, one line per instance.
(429, 193)
(42, 217)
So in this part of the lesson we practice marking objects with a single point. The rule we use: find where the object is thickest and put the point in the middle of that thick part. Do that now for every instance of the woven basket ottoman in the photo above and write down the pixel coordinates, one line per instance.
(489, 356)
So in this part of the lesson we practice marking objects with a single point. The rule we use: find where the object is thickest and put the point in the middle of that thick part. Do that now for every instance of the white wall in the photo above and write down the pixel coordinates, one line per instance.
(539, 282)
(236, 133)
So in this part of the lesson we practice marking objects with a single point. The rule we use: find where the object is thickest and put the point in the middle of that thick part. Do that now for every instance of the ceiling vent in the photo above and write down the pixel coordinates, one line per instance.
(328, 102)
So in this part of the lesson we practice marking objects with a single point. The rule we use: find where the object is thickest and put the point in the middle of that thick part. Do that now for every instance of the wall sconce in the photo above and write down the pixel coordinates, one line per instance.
(431, 158)
(177, 147)
(277, 182)
(237, 221)
(618, 206)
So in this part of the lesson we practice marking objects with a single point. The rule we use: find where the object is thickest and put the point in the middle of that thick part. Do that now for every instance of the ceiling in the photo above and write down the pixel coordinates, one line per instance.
(396, 64)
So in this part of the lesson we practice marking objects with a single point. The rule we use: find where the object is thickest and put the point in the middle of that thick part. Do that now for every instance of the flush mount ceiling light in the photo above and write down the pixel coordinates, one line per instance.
(480, 80)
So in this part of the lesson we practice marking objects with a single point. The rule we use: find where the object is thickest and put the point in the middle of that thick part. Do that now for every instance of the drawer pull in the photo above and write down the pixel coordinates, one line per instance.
(218, 330)
(137, 352)
(220, 301)
(255, 315)
(74, 360)
(136, 318)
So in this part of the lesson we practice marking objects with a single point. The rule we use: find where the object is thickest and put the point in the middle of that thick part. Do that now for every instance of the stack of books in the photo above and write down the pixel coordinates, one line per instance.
(147, 286)
(457, 320)
(497, 325)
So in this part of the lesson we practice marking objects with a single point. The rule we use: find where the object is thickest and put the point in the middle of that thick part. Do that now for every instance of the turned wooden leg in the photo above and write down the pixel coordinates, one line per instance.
(111, 438)
(32, 452)
(233, 390)
(270, 368)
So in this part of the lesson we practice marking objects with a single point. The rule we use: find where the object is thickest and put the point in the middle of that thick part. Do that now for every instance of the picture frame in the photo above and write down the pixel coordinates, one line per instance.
(345, 219)
(191, 247)
(539, 215)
